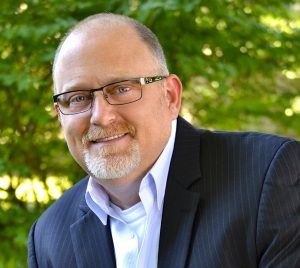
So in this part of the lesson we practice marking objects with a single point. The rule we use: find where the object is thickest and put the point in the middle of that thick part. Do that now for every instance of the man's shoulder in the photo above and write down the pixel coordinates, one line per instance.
(247, 137)
(256, 142)
(230, 137)
(68, 204)
(74, 193)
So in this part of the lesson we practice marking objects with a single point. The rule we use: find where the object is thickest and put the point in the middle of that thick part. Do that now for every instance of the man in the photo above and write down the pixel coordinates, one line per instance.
(159, 193)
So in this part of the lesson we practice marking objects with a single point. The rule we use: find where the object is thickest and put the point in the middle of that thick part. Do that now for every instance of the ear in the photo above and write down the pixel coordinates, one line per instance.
(57, 111)
(173, 90)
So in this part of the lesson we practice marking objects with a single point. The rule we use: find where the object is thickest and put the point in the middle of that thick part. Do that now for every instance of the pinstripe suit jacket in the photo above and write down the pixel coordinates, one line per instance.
(232, 200)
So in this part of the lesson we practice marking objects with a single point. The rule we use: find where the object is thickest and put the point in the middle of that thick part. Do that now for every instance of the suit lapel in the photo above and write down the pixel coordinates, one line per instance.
(180, 204)
(92, 241)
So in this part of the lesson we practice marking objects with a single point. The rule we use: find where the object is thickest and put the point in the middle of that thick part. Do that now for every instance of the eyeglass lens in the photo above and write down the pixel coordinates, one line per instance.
(115, 94)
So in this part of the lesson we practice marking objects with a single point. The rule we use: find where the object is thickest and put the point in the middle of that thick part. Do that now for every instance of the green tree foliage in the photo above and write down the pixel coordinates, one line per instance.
(238, 60)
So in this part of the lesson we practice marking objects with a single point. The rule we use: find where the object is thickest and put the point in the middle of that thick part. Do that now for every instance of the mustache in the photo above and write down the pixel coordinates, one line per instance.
(96, 132)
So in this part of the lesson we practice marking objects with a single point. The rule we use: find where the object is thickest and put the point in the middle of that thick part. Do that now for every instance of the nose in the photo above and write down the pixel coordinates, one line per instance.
(102, 113)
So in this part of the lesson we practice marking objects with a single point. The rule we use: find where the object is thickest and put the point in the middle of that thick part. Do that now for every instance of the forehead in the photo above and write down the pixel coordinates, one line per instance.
(102, 54)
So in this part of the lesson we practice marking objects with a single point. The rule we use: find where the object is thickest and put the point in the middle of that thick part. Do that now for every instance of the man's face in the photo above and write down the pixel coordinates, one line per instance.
(122, 141)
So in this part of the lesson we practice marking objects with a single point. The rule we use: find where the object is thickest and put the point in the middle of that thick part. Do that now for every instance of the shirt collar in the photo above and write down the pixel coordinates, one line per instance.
(160, 169)
(98, 200)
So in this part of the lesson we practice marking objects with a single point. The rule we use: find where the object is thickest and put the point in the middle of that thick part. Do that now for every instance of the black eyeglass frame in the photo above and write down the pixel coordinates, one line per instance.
(141, 80)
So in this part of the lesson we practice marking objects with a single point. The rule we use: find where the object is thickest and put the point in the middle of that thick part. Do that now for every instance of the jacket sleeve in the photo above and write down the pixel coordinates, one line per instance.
(32, 261)
(278, 220)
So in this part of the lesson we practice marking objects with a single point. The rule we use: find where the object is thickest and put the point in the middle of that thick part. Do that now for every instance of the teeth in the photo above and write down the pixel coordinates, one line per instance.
(109, 138)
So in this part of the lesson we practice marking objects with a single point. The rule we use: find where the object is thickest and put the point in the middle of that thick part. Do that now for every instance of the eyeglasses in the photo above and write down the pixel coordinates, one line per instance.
(117, 93)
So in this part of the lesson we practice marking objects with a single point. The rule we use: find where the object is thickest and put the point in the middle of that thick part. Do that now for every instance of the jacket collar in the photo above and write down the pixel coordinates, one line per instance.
(180, 204)
(185, 167)
(92, 241)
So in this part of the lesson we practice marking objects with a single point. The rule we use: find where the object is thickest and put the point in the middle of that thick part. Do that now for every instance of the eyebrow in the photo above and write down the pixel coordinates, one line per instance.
(75, 87)
(79, 87)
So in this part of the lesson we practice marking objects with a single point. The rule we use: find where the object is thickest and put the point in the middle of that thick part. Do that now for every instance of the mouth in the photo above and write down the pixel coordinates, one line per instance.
(108, 139)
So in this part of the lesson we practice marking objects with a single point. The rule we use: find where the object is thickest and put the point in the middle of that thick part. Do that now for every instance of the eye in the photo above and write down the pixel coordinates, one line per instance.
(78, 98)
(121, 89)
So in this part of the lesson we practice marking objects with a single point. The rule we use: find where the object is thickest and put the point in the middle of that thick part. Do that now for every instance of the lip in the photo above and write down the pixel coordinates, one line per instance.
(109, 139)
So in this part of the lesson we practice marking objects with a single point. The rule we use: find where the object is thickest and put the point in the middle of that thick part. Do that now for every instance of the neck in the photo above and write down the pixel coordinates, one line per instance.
(124, 195)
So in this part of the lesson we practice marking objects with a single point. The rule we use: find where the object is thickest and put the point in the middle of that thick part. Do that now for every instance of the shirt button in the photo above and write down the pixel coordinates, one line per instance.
(132, 236)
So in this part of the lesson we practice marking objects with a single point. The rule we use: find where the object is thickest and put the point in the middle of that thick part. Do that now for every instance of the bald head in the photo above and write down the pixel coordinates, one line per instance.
(104, 23)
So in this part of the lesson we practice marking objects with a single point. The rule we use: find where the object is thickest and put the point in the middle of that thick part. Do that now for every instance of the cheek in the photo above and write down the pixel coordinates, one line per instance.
(151, 129)
(73, 131)
(153, 119)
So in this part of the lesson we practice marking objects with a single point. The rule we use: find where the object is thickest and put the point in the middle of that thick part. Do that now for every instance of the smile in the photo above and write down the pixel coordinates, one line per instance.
(109, 138)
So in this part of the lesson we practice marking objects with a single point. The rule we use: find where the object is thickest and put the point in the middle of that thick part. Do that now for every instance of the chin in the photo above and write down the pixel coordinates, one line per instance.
(112, 166)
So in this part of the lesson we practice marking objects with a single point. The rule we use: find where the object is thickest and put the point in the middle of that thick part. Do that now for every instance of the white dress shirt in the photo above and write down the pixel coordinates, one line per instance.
(135, 231)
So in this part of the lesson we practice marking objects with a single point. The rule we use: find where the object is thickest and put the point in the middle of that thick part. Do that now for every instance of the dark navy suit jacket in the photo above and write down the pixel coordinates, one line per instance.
(232, 200)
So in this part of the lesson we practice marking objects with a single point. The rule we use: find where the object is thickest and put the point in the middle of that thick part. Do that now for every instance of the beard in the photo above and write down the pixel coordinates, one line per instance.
(108, 162)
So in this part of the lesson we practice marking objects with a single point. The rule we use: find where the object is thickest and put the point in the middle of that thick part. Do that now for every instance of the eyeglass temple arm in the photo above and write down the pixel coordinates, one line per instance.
(148, 80)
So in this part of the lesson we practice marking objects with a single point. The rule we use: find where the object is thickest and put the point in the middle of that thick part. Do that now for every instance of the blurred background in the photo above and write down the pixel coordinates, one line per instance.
(239, 62)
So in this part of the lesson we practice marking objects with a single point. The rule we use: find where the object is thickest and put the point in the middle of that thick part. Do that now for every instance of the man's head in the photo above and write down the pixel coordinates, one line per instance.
(107, 20)
(115, 141)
